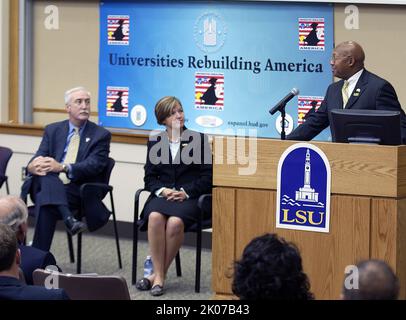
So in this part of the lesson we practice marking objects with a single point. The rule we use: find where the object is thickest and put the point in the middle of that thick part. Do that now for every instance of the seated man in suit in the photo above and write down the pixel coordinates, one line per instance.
(14, 213)
(358, 89)
(72, 152)
(10, 286)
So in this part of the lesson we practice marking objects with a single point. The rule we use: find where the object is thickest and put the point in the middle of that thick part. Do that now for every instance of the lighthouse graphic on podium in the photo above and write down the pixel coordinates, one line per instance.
(307, 193)
(303, 189)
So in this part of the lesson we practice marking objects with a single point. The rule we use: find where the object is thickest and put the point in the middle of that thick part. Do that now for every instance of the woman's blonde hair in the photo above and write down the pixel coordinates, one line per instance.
(164, 108)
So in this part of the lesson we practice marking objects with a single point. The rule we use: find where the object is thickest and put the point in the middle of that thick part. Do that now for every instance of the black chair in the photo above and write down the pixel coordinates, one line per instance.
(95, 191)
(5, 155)
(98, 190)
(203, 222)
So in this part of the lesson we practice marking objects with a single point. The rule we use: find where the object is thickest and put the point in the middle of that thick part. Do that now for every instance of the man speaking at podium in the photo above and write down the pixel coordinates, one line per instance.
(358, 89)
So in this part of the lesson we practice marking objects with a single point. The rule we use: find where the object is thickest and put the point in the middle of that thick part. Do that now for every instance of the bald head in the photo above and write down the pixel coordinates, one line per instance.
(348, 59)
(377, 281)
(354, 50)
(13, 212)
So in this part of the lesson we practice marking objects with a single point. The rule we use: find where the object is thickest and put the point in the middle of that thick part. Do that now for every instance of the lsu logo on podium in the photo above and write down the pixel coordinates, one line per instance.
(303, 191)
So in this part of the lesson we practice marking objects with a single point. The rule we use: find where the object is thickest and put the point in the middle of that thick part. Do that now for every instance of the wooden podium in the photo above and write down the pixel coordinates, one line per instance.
(367, 210)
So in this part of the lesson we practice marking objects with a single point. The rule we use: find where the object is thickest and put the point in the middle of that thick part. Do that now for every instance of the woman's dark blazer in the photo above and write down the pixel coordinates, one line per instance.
(191, 169)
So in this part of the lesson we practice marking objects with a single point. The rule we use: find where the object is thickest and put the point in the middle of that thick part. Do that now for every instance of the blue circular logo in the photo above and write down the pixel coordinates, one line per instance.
(210, 32)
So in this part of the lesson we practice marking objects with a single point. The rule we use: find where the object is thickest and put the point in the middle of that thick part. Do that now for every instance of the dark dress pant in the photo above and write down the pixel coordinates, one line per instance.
(49, 193)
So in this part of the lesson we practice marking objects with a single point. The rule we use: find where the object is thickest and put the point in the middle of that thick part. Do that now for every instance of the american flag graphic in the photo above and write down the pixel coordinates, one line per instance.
(117, 101)
(305, 103)
(118, 29)
(314, 27)
(209, 84)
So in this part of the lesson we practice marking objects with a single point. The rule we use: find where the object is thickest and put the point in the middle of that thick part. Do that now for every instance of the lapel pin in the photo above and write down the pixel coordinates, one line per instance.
(87, 139)
(357, 92)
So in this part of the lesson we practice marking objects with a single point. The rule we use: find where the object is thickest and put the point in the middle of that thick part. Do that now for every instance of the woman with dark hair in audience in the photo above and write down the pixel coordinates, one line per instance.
(270, 269)
(178, 170)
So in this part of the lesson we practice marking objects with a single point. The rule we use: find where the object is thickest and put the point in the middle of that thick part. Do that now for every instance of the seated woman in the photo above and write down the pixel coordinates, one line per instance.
(178, 170)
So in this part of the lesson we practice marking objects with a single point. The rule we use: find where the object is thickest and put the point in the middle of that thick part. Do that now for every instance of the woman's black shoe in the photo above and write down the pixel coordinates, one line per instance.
(143, 284)
(157, 290)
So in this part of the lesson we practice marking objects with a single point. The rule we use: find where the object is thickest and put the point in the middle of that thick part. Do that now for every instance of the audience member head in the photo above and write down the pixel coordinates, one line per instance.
(14, 213)
(270, 269)
(9, 253)
(348, 58)
(77, 102)
(375, 281)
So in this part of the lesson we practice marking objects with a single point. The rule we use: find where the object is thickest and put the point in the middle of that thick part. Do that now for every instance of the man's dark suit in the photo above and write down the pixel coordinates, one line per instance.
(12, 289)
(371, 92)
(33, 258)
(49, 191)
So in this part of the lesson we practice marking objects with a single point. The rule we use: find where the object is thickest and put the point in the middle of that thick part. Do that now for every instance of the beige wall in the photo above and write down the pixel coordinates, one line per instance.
(4, 21)
(66, 57)
(382, 34)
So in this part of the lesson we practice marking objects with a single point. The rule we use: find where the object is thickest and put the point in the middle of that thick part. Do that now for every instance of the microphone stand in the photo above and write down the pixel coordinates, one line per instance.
(281, 109)
(283, 115)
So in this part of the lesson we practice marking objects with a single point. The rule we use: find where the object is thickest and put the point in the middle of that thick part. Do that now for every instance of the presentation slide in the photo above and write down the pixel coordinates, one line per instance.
(229, 63)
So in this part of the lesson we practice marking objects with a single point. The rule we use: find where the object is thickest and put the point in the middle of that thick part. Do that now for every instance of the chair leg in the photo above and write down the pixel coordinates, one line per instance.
(198, 259)
(79, 256)
(178, 265)
(7, 188)
(135, 252)
(70, 247)
(116, 232)
(120, 265)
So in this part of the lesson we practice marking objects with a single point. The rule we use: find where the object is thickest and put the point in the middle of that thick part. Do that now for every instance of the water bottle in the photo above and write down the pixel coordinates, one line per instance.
(148, 267)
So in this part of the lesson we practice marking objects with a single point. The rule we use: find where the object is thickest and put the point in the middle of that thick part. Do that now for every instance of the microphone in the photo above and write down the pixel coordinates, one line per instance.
(281, 104)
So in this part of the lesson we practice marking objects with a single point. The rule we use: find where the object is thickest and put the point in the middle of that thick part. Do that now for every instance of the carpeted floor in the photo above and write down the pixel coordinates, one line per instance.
(99, 255)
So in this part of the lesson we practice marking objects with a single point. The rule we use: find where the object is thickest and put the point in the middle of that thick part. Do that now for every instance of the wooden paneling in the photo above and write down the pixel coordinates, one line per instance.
(325, 255)
(367, 211)
(255, 215)
(25, 130)
(383, 233)
(223, 251)
(402, 170)
(388, 236)
(401, 247)
(35, 130)
(224, 297)
(368, 165)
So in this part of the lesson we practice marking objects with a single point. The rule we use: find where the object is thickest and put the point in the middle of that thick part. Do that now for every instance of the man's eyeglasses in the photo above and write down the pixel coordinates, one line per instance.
(335, 58)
